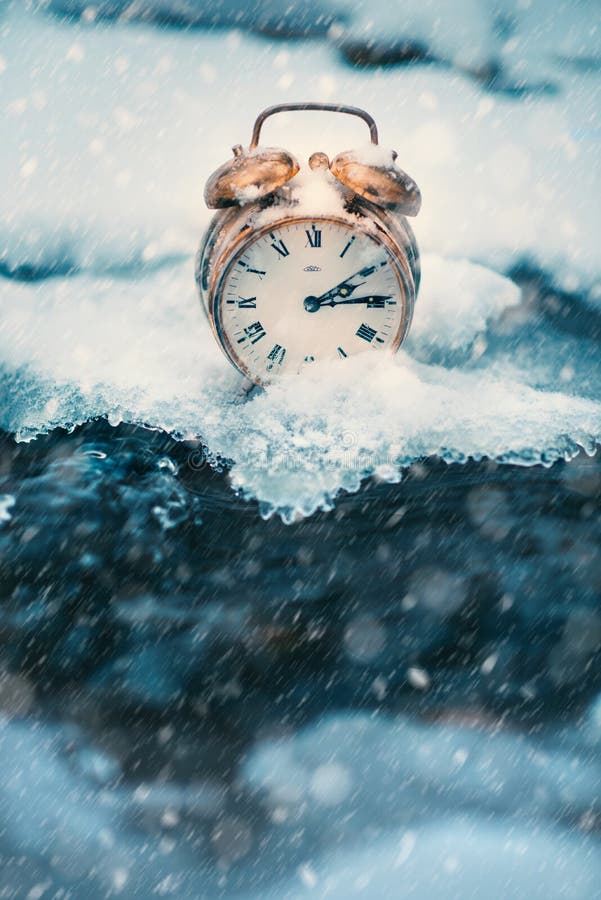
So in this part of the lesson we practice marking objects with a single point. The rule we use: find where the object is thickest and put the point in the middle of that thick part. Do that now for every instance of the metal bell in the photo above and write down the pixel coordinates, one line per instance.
(249, 176)
(383, 184)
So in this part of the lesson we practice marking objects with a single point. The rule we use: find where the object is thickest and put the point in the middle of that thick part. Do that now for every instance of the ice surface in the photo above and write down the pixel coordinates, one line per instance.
(110, 137)
(452, 860)
(354, 775)
(139, 350)
(354, 805)
(112, 132)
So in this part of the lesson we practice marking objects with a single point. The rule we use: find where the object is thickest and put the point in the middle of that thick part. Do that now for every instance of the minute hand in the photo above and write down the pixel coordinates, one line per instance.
(346, 287)
(375, 300)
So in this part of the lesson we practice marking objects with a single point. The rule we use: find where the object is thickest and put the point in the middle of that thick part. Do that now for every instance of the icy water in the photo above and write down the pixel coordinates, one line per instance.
(341, 637)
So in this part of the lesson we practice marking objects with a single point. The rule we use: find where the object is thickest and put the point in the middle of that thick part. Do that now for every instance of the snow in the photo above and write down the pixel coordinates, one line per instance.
(7, 501)
(460, 32)
(400, 777)
(457, 301)
(139, 350)
(453, 860)
(111, 135)
(390, 763)
(353, 805)
(110, 131)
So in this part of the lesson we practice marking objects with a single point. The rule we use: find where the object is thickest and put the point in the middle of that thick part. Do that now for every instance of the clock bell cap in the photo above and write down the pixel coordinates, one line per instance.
(373, 174)
(249, 176)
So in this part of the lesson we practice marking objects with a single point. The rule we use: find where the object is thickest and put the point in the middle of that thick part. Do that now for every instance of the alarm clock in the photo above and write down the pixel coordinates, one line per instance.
(306, 263)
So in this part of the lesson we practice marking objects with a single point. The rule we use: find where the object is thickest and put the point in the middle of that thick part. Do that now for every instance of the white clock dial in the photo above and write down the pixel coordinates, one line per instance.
(308, 290)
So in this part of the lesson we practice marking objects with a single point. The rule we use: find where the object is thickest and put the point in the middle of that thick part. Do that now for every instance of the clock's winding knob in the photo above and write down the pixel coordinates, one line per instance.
(319, 160)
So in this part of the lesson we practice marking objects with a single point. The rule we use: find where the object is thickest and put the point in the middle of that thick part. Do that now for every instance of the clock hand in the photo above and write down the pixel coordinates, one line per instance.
(342, 289)
(374, 300)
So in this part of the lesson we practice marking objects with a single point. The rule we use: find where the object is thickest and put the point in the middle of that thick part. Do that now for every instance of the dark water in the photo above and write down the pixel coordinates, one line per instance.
(121, 539)
(154, 628)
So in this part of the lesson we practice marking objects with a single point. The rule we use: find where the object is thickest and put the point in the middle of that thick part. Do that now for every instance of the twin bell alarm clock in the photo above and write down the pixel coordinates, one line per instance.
(306, 263)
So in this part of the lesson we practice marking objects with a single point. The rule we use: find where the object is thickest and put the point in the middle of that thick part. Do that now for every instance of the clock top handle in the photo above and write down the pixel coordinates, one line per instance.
(325, 107)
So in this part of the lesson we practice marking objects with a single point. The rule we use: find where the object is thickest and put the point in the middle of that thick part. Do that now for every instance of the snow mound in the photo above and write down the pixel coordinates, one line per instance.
(112, 132)
(140, 351)
(390, 784)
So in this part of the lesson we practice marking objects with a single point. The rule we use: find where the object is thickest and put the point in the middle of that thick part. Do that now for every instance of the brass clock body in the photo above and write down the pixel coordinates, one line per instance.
(286, 281)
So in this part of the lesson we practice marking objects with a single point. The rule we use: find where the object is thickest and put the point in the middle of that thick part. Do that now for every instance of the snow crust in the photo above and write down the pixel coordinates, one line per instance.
(139, 350)
(359, 770)
(353, 805)
(110, 137)
(375, 773)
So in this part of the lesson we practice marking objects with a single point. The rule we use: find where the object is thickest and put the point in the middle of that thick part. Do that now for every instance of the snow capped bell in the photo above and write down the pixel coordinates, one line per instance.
(372, 173)
(249, 176)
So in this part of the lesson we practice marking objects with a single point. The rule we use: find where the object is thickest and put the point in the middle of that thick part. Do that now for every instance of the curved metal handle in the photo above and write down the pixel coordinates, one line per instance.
(326, 107)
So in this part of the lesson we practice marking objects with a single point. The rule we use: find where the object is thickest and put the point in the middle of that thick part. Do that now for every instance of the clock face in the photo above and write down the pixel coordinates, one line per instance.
(307, 290)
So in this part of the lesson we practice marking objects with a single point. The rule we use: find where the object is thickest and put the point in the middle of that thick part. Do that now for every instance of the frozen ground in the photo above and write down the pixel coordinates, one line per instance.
(112, 129)
(396, 698)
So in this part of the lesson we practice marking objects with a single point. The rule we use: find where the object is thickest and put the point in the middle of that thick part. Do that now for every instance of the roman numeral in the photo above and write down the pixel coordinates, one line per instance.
(365, 332)
(279, 246)
(347, 247)
(245, 302)
(253, 333)
(313, 237)
(341, 353)
(276, 356)
(248, 268)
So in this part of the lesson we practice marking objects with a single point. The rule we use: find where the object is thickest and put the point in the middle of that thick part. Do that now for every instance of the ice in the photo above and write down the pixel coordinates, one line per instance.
(453, 860)
(140, 351)
(110, 138)
(396, 779)
(460, 33)
(111, 135)
(295, 448)
(376, 805)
